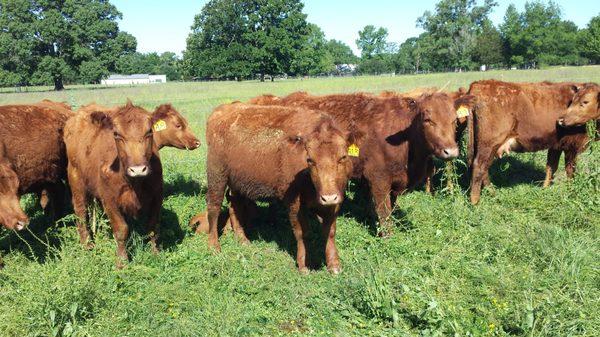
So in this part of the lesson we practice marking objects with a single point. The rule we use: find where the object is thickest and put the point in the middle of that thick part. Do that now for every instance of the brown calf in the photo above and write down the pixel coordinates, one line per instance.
(295, 155)
(113, 157)
(402, 134)
(32, 157)
(520, 117)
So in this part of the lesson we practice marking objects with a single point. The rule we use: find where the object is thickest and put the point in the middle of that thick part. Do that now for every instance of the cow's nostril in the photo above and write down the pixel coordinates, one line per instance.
(144, 169)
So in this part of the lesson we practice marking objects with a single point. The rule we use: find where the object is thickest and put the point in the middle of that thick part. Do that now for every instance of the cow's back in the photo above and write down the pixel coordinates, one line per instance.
(255, 145)
(33, 140)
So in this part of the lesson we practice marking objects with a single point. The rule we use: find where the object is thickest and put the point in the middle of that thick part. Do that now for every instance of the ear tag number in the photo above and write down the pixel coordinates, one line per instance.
(353, 150)
(462, 112)
(159, 125)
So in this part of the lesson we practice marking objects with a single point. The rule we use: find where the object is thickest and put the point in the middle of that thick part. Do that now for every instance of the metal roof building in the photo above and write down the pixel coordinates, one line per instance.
(134, 79)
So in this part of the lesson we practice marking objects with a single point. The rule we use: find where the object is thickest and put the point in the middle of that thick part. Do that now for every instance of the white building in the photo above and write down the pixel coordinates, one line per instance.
(134, 79)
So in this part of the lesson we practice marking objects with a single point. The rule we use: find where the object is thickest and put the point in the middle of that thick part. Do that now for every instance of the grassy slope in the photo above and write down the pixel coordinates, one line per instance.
(524, 262)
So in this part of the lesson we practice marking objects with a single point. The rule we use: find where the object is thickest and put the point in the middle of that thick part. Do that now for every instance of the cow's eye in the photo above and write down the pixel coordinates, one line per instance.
(310, 161)
(343, 159)
(148, 134)
(117, 135)
(585, 102)
(179, 126)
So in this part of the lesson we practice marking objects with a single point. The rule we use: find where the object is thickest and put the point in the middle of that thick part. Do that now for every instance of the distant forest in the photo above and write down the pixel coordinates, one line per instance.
(46, 42)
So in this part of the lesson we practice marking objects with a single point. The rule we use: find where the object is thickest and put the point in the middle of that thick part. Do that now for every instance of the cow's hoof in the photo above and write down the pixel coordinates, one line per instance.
(335, 270)
(303, 271)
(215, 248)
(385, 234)
(120, 264)
(89, 245)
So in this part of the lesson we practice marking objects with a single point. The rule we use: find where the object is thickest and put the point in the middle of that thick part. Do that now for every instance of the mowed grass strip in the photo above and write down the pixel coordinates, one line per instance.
(522, 263)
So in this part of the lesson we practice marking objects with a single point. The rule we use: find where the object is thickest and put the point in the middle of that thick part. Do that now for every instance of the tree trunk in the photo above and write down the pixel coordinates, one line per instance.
(58, 84)
(262, 77)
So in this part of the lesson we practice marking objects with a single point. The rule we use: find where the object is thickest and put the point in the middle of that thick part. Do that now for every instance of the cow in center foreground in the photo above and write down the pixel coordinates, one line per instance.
(294, 155)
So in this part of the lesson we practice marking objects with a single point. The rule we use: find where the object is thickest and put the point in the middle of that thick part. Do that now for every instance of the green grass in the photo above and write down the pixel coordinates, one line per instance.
(525, 262)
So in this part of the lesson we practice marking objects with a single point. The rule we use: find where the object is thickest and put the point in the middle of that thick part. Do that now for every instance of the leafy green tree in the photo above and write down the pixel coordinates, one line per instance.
(412, 55)
(60, 39)
(489, 46)
(17, 41)
(452, 31)
(151, 63)
(240, 38)
(590, 40)
(313, 58)
(372, 41)
(340, 52)
(539, 36)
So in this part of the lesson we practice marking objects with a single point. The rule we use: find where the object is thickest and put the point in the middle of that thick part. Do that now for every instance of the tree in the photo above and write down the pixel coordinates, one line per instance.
(539, 36)
(489, 46)
(240, 38)
(313, 58)
(17, 41)
(340, 52)
(590, 40)
(61, 40)
(452, 31)
(372, 41)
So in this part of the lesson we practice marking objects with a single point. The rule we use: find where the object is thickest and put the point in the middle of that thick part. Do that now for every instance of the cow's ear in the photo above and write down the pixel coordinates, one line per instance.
(465, 100)
(161, 112)
(355, 136)
(101, 119)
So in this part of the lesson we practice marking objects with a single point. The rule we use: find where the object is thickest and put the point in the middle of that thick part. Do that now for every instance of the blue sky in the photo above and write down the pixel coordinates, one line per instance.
(161, 25)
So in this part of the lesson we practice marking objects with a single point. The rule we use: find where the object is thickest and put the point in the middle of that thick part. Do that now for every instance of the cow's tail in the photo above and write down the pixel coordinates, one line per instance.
(471, 146)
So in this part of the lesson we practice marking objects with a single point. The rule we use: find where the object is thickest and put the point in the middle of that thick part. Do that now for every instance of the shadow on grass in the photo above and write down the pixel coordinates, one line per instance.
(509, 171)
(181, 185)
(39, 242)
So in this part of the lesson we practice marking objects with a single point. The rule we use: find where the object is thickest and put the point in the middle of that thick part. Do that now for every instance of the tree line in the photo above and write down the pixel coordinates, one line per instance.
(55, 42)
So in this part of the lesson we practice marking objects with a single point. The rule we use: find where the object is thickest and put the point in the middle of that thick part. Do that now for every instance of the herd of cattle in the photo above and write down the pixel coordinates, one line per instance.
(300, 150)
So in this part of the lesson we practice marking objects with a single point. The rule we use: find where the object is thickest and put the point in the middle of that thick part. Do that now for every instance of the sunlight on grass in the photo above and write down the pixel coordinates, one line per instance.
(523, 263)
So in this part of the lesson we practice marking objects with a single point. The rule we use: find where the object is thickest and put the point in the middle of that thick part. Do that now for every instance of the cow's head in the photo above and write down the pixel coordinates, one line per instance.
(328, 160)
(171, 129)
(131, 127)
(438, 118)
(584, 107)
(11, 214)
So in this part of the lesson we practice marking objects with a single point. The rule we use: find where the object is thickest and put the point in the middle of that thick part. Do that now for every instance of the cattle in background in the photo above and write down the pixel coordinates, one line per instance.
(32, 158)
(402, 135)
(112, 157)
(170, 128)
(521, 117)
(294, 155)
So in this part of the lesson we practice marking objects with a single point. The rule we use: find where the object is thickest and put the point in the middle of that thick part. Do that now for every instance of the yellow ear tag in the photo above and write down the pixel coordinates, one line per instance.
(159, 125)
(353, 150)
(462, 112)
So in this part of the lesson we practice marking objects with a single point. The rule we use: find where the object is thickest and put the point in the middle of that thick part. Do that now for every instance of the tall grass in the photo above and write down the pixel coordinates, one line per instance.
(524, 262)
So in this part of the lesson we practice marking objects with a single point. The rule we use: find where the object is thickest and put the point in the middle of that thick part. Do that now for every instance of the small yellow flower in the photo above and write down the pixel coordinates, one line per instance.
(492, 326)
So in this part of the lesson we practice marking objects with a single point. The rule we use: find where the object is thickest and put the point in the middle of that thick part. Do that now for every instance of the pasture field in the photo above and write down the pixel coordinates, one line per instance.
(525, 262)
